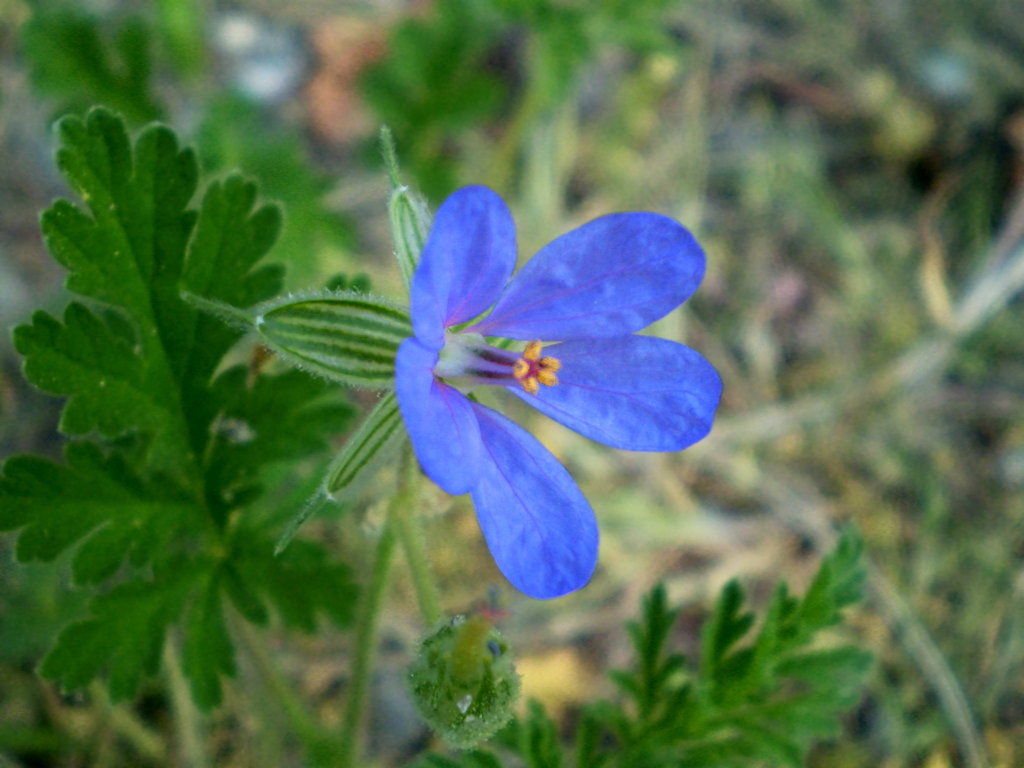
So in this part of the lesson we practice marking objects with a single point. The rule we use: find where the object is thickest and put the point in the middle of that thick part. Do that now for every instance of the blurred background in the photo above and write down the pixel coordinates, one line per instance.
(854, 169)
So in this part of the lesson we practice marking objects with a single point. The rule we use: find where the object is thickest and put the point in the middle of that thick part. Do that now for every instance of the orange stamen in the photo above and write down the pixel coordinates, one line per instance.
(532, 370)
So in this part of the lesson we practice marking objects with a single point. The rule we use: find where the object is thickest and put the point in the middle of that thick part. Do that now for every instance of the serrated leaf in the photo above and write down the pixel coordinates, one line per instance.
(728, 624)
(124, 635)
(174, 452)
(350, 338)
(232, 234)
(109, 387)
(127, 253)
(207, 653)
(234, 133)
(58, 506)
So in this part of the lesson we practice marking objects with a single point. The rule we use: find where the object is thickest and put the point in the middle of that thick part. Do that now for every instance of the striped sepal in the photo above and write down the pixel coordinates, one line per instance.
(344, 336)
(375, 440)
(410, 223)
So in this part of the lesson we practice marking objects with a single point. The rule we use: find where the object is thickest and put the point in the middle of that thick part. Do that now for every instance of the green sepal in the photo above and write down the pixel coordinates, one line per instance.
(351, 338)
(376, 439)
(408, 213)
(410, 223)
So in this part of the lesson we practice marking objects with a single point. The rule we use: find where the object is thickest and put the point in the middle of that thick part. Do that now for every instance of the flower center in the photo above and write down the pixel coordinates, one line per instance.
(531, 368)
(468, 361)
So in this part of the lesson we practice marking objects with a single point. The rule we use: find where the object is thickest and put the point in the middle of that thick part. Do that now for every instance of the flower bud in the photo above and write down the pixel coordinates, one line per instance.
(464, 682)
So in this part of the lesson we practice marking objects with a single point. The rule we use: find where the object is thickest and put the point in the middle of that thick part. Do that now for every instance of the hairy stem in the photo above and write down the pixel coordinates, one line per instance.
(406, 525)
(366, 646)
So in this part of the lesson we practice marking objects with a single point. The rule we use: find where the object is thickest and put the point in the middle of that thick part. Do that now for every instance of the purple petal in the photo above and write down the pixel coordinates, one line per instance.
(539, 527)
(439, 419)
(613, 276)
(468, 257)
(639, 393)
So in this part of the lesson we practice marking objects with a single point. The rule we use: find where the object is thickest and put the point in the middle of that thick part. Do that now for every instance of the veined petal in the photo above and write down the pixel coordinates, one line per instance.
(539, 527)
(469, 255)
(441, 424)
(612, 276)
(639, 393)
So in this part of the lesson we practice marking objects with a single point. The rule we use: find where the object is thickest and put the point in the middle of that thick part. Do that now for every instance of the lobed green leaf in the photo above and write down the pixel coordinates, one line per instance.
(58, 506)
(124, 635)
(207, 653)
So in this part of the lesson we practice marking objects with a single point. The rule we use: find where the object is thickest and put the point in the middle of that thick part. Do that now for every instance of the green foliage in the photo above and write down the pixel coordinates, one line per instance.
(157, 491)
(756, 698)
(434, 83)
(449, 71)
(79, 60)
(236, 133)
(79, 63)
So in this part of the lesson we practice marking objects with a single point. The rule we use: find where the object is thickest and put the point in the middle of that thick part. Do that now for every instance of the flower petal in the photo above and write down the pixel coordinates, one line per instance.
(539, 527)
(612, 276)
(639, 393)
(469, 255)
(439, 420)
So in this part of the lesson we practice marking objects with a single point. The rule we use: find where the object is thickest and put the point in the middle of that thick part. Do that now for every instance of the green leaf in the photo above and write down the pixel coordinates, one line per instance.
(232, 234)
(207, 653)
(58, 506)
(172, 455)
(752, 701)
(124, 635)
(128, 254)
(74, 59)
(262, 421)
(350, 338)
(238, 133)
(110, 387)
(539, 743)
(301, 584)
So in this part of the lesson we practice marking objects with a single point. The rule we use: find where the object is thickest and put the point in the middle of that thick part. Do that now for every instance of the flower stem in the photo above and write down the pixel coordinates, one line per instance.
(315, 739)
(403, 520)
(186, 715)
(366, 645)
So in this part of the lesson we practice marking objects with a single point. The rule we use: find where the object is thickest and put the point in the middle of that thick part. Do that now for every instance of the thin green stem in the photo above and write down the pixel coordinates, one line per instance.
(405, 524)
(186, 716)
(366, 646)
(129, 727)
(316, 740)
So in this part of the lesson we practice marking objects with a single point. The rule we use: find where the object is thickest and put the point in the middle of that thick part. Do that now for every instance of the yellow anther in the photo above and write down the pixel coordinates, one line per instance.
(547, 378)
(532, 370)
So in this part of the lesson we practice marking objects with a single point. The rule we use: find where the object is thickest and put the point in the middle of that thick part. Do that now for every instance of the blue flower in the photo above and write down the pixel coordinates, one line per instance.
(589, 291)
